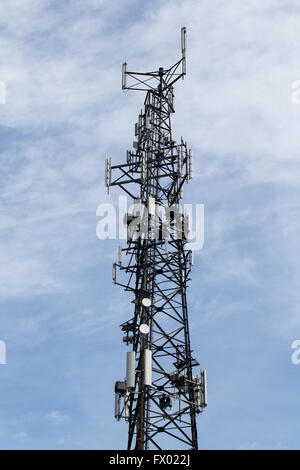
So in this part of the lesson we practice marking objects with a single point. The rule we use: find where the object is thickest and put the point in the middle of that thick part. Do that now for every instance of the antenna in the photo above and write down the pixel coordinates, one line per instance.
(124, 76)
(183, 49)
(161, 395)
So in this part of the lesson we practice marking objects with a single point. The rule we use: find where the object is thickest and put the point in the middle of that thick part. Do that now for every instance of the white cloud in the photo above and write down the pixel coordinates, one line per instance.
(64, 92)
(21, 436)
(57, 417)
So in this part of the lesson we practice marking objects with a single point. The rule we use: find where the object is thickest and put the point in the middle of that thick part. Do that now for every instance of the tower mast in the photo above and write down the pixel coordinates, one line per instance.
(161, 395)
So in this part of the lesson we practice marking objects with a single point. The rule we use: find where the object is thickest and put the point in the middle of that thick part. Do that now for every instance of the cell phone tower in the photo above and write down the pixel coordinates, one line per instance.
(160, 396)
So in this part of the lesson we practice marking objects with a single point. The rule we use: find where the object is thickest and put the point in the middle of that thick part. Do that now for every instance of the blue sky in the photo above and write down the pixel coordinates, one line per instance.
(65, 112)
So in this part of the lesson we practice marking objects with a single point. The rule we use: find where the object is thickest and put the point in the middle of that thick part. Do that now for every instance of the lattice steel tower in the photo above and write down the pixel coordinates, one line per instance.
(160, 396)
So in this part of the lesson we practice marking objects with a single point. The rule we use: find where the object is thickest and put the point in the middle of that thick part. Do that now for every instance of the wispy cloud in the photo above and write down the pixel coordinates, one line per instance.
(57, 417)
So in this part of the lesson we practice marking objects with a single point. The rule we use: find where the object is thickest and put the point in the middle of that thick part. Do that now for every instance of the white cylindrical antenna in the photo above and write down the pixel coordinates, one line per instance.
(147, 122)
(198, 394)
(186, 225)
(117, 406)
(124, 75)
(144, 165)
(184, 66)
(130, 369)
(114, 272)
(120, 255)
(179, 160)
(183, 49)
(166, 246)
(148, 367)
(151, 205)
(204, 388)
(191, 164)
(179, 168)
(139, 128)
(107, 172)
(127, 405)
(183, 40)
(192, 256)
